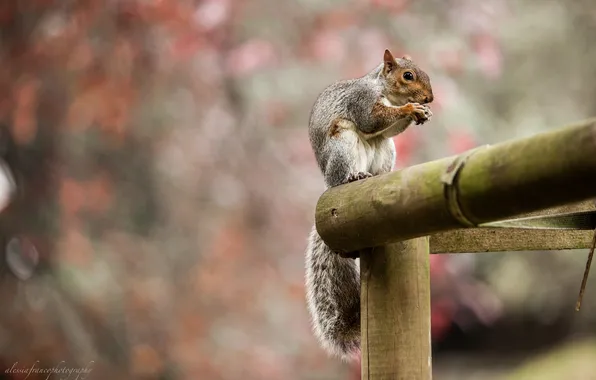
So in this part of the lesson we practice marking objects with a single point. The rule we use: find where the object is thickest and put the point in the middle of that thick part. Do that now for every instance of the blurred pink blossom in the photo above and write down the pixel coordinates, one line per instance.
(442, 311)
(275, 112)
(298, 148)
(446, 93)
(251, 56)
(212, 13)
(451, 61)
(481, 300)
(395, 6)
(460, 141)
(405, 143)
(372, 43)
(489, 55)
(471, 16)
(437, 266)
(269, 363)
(185, 46)
(328, 45)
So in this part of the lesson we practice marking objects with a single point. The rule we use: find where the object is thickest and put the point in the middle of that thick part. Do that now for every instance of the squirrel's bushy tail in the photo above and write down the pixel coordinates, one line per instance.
(333, 297)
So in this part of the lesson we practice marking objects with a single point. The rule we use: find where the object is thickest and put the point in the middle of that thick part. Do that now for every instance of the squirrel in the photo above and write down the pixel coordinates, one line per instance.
(350, 129)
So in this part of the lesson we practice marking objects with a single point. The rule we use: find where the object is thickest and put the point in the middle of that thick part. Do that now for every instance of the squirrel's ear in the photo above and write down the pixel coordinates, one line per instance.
(389, 62)
(407, 57)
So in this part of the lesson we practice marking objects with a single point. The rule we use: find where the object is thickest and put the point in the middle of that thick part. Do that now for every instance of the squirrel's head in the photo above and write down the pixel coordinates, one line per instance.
(405, 81)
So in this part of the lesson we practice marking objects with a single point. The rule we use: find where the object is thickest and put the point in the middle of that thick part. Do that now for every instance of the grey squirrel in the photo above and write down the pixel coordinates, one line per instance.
(350, 130)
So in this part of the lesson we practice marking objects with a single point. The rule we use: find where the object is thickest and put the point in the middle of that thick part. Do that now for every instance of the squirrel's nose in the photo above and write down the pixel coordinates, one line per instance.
(428, 98)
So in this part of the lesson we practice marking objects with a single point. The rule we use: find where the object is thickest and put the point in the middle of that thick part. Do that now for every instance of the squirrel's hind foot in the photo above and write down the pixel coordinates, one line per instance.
(358, 176)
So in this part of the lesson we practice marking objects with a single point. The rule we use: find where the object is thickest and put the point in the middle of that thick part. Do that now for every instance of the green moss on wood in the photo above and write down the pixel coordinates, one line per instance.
(497, 182)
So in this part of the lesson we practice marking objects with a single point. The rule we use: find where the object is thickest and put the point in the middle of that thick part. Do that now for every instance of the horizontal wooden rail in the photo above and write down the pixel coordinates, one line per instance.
(496, 182)
(506, 239)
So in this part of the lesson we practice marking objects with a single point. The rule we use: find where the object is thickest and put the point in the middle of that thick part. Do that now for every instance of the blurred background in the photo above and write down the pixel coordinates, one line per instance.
(167, 185)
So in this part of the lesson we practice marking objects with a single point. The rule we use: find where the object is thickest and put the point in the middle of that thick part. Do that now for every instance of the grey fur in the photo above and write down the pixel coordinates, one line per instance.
(364, 145)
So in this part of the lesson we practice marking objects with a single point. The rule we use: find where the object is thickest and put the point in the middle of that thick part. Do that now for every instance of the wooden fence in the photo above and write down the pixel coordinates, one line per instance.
(454, 205)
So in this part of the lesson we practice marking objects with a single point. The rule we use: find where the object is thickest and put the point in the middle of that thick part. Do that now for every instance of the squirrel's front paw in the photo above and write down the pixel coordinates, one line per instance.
(358, 176)
(420, 113)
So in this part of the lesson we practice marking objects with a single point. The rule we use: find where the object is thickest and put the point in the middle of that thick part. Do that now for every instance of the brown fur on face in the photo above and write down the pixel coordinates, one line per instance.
(400, 90)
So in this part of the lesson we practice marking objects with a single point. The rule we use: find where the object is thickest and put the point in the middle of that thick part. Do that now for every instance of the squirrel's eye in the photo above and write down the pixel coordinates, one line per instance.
(408, 76)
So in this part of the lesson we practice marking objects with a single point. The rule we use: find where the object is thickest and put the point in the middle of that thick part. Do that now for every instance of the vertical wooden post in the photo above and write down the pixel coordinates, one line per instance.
(395, 311)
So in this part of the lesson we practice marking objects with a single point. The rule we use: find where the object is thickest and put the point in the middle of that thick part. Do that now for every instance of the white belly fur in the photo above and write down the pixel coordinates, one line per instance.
(373, 154)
